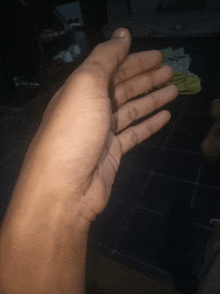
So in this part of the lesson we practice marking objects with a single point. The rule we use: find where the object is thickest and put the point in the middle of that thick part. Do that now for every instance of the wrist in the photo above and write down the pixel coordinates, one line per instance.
(44, 241)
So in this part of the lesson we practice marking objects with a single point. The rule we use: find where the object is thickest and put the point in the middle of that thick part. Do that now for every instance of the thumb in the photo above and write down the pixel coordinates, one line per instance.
(120, 33)
(106, 56)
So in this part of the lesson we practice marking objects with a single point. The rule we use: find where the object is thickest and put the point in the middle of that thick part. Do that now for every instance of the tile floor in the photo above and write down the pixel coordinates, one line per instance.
(162, 201)
(164, 195)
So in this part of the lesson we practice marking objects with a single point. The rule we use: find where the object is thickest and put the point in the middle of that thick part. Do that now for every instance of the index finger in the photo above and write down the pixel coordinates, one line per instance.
(138, 63)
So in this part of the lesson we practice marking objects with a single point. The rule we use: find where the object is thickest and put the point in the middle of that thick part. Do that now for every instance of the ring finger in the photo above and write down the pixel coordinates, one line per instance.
(134, 110)
(140, 84)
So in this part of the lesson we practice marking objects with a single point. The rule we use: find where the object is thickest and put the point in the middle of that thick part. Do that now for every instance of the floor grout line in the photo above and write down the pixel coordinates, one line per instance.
(197, 185)
(182, 180)
(124, 229)
(174, 125)
(173, 149)
(132, 211)
(140, 261)
(174, 178)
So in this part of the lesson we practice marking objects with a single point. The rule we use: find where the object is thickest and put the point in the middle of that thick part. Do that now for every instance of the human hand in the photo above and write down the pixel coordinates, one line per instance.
(77, 149)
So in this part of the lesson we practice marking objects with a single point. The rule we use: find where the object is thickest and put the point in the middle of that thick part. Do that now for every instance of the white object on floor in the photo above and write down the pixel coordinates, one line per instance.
(20, 82)
(69, 54)
(177, 59)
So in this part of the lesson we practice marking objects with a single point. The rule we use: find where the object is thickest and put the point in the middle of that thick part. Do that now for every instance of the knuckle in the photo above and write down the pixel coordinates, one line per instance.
(99, 47)
(122, 74)
(129, 91)
(151, 80)
(114, 123)
(140, 64)
(158, 55)
(132, 114)
(168, 70)
(150, 129)
(155, 103)
(134, 138)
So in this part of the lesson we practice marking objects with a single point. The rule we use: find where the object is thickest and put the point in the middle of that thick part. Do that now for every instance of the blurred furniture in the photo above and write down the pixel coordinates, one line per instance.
(23, 21)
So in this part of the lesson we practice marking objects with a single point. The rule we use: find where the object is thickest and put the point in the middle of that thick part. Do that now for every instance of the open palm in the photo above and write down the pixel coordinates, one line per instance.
(138, 73)
(86, 127)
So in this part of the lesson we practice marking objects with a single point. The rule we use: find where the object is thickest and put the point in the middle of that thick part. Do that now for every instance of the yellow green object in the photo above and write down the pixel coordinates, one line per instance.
(187, 84)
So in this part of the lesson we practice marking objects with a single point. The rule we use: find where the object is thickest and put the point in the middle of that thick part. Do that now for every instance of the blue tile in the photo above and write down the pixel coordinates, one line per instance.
(3, 208)
(144, 237)
(174, 119)
(128, 185)
(206, 205)
(16, 128)
(176, 105)
(158, 138)
(161, 192)
(16, 158)
(8, 179)
(179, 165)
(186, 140)
(143, 157)
(198, 244)
(8, 147)
(196, 122)
(6, 196)
(176, 255)
(210, 175)
(163, 242)
(106, 229)
(197, 106)
(92, 245)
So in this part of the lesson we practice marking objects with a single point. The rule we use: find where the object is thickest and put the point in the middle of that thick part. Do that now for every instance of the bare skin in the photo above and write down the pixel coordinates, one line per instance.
(70, 166)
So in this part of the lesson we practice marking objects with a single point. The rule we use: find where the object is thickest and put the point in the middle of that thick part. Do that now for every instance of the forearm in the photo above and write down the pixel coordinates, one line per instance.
(42, 244)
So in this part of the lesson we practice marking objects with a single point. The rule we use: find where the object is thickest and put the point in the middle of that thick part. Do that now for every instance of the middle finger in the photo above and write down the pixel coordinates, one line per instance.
(134, 110)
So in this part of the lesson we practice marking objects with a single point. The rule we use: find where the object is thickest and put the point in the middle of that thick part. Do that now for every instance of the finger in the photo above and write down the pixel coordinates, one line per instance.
(134, 110)
(138, 63)
(142, 83)
(137, 134)
(105, 58)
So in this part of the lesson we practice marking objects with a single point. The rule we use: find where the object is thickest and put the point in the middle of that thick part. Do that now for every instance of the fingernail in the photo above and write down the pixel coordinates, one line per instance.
(120, 33)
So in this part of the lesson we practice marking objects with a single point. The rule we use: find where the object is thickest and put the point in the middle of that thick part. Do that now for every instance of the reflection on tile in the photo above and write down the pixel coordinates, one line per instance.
(161, 192)
(106, 229)
(179, 165)
(128, 185)
(210, 175)
(206, 205)
(186, 140)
